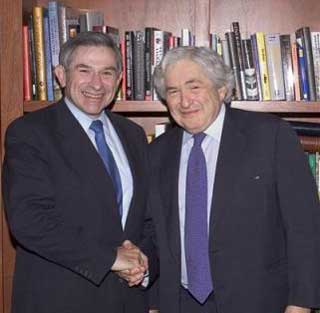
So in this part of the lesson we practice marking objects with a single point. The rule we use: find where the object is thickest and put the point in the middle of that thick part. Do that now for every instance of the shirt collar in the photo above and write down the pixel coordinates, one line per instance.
(84, 119)
(214, 130)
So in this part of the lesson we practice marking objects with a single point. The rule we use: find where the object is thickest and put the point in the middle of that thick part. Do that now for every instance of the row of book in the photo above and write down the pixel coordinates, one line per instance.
(272, 66)
(266, 66)
(48, 28)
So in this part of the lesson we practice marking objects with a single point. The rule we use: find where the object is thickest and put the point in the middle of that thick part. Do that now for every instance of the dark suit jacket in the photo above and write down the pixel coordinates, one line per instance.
(62, 211)
(265, 219)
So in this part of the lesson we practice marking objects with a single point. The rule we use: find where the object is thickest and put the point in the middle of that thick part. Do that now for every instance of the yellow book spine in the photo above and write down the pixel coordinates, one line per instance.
(265, 84)
(39, 53)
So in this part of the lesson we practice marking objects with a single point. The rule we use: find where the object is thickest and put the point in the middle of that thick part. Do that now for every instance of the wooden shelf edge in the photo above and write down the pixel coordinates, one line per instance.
(278, 106)
(157, 106)
(119, 106)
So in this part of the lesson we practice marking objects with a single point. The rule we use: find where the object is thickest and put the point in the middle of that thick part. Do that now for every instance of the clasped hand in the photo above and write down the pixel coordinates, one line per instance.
(131, 264)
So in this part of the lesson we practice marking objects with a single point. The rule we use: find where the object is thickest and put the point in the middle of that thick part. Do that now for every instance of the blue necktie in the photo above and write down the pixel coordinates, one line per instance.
(196, 225)
(108, 160)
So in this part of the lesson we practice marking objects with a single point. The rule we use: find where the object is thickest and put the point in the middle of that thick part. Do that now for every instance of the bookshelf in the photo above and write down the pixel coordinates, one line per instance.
(201, 17)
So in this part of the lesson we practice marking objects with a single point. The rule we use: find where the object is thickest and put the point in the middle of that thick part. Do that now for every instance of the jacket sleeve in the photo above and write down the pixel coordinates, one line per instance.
(300, 211)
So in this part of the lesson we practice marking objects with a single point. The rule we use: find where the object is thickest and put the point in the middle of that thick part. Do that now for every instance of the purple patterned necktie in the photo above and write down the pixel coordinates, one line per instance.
(196, 227)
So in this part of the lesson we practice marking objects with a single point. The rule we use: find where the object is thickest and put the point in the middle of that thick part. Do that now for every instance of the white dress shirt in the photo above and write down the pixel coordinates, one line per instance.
(210, 147)
(115, 146)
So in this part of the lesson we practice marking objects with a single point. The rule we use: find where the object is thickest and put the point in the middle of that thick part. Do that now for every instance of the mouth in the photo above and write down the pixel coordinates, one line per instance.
(93, 96)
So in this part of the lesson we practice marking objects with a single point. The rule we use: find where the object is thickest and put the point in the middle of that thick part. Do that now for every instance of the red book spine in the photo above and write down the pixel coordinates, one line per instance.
(27, 85)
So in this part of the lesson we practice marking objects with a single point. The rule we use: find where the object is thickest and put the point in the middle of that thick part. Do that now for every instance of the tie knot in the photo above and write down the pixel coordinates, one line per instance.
(198, 138)
(97, 126)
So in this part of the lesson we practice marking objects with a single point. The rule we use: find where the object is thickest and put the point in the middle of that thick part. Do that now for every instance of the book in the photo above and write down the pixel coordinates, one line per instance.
(47, 50)
(303, 71)
(255, 56)
(230, 37)
(148, 51)
(129, 38)
(304, 35)
(139, 65)
(27, 83)
(315, 40)
(263, 66)
(39, 50)
(250, 71)
(54, 36)
(274, 62)
(295, 67)
(238, 41)
(287, 66)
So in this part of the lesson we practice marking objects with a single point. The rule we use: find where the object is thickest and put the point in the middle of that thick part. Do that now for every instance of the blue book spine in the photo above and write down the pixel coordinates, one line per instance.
(303, 71)
(53, 8)
(48, 57)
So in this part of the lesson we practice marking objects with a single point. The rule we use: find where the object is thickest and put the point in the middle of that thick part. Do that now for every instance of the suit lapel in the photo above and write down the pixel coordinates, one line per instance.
(229, 161)
(84, 160)
(169, 182)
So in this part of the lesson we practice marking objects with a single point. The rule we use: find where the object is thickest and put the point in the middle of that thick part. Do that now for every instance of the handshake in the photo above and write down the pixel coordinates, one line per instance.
(130, 264)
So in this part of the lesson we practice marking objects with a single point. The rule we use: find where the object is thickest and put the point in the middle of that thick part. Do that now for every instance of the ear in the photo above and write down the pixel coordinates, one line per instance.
(222, 93)
(61, 75)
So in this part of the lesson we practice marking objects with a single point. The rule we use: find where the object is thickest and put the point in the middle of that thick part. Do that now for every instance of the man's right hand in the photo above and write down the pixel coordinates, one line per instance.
(129, 257)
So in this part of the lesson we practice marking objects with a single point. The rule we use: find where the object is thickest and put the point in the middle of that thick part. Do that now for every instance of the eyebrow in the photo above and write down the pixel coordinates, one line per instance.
(188, 82)
(81, 65)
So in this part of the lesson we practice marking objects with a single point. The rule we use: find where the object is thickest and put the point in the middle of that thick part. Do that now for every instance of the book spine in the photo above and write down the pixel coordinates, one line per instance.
(309, 59)
(303, 75)
(274, 62)
(147, 73)
(49, 75)
(41, 83)
(237, 36)
(255, 56)
(225, 52)
(315, 40)
(138, 59)
(129, 65)
(230, 37)
(62, 11)
(263, 65)
(250, 71)
(287, 66)
(295, 66)
(158, 52)
(27, 83)
(32, 58)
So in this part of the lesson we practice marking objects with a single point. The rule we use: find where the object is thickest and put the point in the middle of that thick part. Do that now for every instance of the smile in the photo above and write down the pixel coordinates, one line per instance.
(92, 95)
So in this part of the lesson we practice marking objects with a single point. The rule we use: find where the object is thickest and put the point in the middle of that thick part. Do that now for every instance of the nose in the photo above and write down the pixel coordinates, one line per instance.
(96, 81)
(185, 99)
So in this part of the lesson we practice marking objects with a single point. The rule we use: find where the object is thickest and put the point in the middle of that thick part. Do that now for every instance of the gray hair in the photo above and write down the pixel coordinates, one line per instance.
(212, 64)
(88, 39)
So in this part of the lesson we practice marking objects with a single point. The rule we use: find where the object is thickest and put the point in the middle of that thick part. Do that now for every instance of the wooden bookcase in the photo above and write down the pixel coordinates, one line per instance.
(201, 17)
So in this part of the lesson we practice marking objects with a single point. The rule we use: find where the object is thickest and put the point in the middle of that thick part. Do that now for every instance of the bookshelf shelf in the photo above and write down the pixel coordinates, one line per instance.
(157, 106)
(119, 106)
(278, 106)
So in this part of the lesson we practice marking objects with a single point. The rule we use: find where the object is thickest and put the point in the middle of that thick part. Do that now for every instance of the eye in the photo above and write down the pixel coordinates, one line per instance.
(172, 92)
(108, 73)
(84, 70)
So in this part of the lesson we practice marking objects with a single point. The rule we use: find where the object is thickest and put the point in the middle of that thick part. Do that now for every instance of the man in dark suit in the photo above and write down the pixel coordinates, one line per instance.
(74, 183)
(235, 204)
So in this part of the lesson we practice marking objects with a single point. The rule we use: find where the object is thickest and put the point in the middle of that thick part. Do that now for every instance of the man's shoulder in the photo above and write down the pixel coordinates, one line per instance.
(39, 119)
